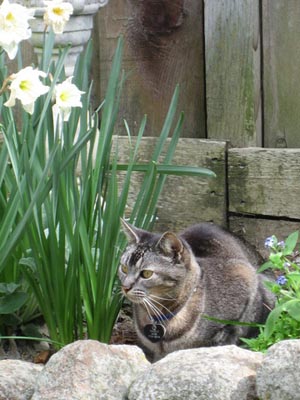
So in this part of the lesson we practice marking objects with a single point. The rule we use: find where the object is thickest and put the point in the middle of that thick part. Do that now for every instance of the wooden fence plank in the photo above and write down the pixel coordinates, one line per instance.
(256, 230)
(28, 57)
(163, 47)
(281, 48)
(264, 181)
(232, 55)
(186, 200)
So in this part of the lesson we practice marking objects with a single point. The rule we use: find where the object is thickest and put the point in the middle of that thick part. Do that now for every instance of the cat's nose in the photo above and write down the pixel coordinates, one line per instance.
(126, 289)
(127, 284)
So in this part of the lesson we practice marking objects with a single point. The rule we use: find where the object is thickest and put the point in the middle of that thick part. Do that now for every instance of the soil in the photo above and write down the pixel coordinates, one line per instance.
(124, 332)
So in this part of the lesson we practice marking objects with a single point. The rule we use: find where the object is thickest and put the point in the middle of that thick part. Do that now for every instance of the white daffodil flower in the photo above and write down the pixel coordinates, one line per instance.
(14, 26)
(26, 87)
(67, 96)
(57, 14)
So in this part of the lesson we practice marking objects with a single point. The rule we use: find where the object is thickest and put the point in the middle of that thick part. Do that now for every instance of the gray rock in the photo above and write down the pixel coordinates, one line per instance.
(89, 370)
(278, 375)
(17, 379)
(226, 372)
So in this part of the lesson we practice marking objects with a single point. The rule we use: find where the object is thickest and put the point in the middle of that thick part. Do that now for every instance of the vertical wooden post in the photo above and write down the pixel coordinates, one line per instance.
(281, 48)
(163, 48)
(232, 55)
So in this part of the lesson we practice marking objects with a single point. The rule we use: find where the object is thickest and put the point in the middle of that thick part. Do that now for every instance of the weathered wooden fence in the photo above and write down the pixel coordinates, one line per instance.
(237, 63)
(255, 193)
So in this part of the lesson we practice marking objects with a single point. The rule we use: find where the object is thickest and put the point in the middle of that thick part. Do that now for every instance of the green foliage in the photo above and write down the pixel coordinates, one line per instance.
(61, 201)
(11, 298)
(18, 305)
(283, 321)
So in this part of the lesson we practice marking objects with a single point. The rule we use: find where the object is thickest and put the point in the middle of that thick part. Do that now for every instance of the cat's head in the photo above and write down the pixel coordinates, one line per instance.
(153, 265)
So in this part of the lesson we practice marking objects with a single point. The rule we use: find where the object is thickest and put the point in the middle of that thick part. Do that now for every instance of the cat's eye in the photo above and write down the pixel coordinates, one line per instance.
(146, 274)
(124, 269)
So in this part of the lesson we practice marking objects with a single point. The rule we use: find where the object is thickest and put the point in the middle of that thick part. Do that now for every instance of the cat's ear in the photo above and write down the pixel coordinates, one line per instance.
(131, 232)
(170, 244)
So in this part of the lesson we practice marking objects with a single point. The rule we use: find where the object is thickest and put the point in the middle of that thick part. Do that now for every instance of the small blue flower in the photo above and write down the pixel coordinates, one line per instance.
(269, 242)
(281, 280)
(281, 244)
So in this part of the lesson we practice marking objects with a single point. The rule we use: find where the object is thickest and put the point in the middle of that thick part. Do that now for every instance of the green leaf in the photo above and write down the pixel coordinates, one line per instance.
(265, 266)
(31, 330)
(294, 277)
(36, 339)
(293, 308)
(270, 285)
(8, 288)
(273, 317)
(276, 259)
(12, 302)
(290, 243)
(28, 262)
(39, 194)
(178, 170)
(12, 320)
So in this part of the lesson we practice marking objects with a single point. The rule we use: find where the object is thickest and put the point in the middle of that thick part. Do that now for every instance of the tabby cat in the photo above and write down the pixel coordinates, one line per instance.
(175, 281)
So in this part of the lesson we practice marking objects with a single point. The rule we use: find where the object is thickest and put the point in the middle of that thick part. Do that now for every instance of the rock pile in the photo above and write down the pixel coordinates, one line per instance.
(89, 370)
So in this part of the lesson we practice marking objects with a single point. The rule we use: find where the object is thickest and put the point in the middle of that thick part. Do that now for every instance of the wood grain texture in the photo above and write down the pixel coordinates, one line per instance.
(256, 230)
(28, 57)
(281, 47)
(264, 181)
(232, 55)
(185, 200)
(161, 50)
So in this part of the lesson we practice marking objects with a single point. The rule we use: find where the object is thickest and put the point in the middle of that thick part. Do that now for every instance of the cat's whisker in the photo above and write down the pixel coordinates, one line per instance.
(149, 307)
(155, 311)
(139, 294)
(166, 308)
(169, 311)
(161, 305)
(162, 298)
(120, 292)
(159, 312)
(154, 308)
(121, 295)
